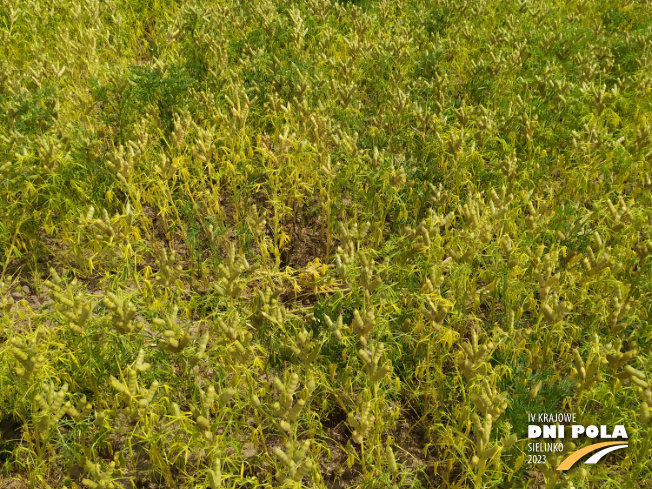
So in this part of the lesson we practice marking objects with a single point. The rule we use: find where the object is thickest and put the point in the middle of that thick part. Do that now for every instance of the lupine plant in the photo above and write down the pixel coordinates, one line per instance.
(325, 243)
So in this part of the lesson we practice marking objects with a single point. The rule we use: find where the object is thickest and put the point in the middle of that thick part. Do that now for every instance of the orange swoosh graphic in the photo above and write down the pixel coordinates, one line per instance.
(574, 457)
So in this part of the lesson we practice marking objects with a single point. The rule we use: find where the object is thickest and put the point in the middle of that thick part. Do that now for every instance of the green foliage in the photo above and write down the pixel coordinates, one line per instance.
(356, 241)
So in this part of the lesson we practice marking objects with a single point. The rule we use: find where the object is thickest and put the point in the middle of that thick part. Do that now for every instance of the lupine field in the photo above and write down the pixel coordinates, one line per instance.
(322, 244)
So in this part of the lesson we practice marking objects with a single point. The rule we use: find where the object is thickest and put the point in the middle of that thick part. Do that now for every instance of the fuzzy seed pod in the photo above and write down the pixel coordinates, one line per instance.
(389, 453)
